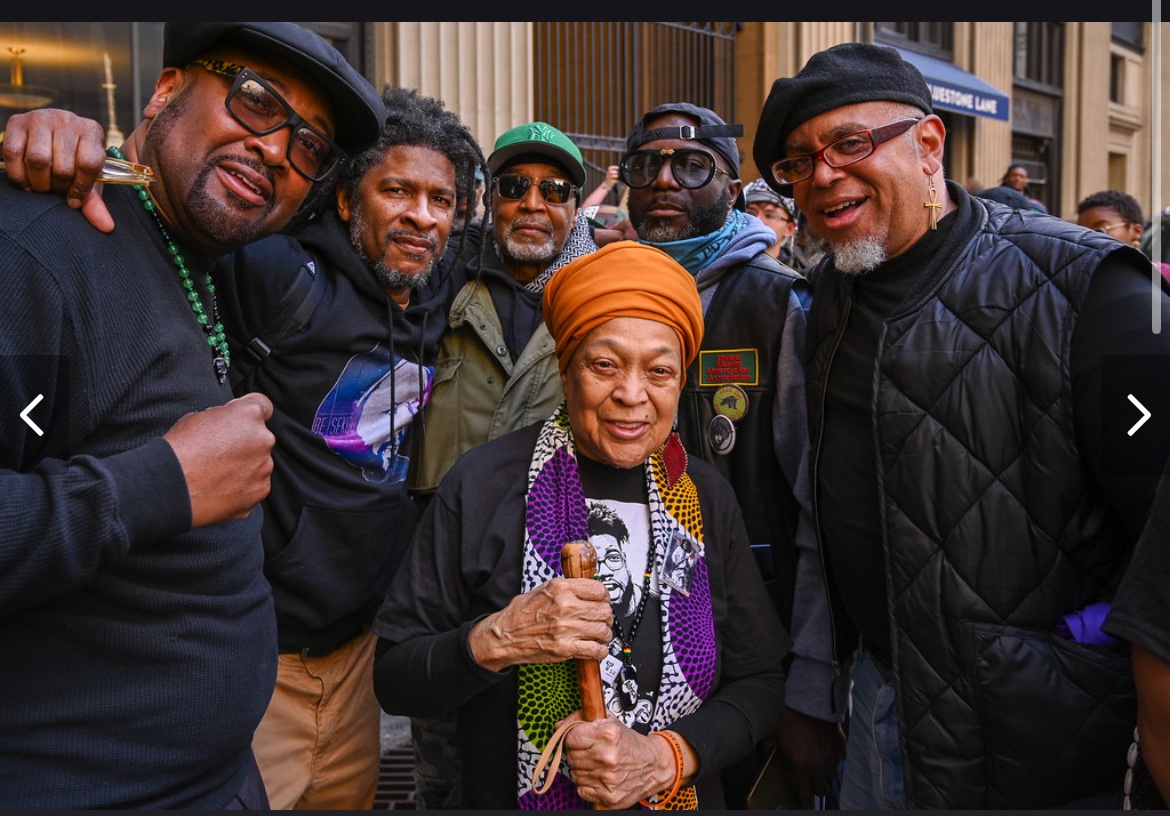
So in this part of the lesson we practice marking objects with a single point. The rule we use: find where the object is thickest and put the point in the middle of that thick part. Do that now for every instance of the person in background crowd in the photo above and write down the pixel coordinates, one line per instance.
(1013, 191)
(779, 214)
(601, 191)
(959, 342)
(496, 371)
(743, 408)
(807, 248)
(138, 625)
(1007, 195)
(480, 621)
(1118, 215)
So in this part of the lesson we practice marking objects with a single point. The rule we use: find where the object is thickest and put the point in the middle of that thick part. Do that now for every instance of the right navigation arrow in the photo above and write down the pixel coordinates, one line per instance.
(1145, 415)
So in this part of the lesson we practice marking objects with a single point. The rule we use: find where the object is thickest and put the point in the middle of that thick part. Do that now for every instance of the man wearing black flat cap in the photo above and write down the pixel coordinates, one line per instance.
(956, 351)
(742, 407)
(138, 629)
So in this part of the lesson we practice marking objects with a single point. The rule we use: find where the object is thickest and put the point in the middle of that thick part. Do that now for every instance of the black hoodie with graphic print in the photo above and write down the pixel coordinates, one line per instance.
(345, 390)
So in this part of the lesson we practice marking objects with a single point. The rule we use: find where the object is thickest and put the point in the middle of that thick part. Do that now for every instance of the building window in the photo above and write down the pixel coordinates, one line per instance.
(1128, 34)
(932, 39)
(1116, 78)
(104, 71)
(1039, 53)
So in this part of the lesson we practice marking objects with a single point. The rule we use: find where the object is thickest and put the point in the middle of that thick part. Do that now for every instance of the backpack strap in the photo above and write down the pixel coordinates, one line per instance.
(292, 314)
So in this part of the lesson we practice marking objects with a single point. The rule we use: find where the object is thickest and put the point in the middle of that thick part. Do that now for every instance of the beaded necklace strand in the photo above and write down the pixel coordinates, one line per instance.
(626, 681)
(213, 328)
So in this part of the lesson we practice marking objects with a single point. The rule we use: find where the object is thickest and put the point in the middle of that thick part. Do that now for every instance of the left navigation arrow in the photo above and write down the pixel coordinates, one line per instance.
(25, 412)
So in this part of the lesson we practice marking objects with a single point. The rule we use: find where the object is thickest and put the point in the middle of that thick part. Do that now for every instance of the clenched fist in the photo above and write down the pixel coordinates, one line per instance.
(226, 456)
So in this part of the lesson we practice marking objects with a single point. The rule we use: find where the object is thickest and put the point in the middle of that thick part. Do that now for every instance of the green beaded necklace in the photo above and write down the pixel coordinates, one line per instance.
(213, 328)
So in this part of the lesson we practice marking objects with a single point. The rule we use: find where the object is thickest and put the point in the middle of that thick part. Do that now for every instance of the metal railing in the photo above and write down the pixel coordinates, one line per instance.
(595, 79)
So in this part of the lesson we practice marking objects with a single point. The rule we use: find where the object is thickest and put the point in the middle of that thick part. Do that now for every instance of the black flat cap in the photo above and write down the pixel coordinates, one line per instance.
(842, 75)
(358, 106)
(711, 131)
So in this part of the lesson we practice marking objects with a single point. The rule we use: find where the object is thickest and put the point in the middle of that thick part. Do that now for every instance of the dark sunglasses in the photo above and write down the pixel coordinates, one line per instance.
(261, 110)
(514, 187)
(692, 169)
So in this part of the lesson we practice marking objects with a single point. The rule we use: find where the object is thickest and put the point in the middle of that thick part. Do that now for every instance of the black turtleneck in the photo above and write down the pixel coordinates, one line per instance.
(848, 461)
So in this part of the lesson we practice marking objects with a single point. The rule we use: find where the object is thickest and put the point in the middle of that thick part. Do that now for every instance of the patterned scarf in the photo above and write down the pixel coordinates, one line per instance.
(556, 513)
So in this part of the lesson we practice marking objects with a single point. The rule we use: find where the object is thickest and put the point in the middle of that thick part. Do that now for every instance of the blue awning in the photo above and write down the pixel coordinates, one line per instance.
(954, 89)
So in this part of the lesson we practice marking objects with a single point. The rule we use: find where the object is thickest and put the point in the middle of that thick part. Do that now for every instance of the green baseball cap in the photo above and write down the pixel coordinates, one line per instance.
(538, 139)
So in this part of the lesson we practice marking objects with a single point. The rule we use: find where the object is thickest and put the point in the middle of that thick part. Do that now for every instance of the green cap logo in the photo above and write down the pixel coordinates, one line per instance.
(540, 139)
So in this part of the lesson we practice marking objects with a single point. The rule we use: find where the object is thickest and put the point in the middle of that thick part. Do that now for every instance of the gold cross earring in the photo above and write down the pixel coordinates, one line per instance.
(934, 204)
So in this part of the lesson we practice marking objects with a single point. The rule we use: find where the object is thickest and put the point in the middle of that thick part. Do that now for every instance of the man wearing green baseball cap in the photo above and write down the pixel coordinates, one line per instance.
(496, 370)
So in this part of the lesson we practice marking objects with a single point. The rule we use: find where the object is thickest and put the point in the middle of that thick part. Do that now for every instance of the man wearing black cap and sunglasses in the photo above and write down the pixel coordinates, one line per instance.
(742, 408)
(956, 356)
(138, 630)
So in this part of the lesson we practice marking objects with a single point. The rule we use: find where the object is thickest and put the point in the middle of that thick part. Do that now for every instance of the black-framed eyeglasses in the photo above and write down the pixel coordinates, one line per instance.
(845, 151)
(614, 559)
(692, 169)
(261, 110)
(514, 187)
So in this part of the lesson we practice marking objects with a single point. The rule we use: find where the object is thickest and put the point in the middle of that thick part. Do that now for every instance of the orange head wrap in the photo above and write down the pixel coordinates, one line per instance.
(622, 279)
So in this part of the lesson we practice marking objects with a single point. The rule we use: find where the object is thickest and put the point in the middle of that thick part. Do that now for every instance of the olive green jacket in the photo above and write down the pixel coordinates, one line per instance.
(479, 392)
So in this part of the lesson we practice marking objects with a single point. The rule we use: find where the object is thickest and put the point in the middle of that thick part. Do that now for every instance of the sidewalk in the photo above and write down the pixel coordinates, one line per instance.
(396, 778)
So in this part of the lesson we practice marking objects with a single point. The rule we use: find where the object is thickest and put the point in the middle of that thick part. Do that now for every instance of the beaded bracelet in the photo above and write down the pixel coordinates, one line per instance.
(666, 799)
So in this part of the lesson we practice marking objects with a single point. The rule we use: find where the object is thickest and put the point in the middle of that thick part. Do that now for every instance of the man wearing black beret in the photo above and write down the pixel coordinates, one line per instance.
(955, 355)
(138, 633)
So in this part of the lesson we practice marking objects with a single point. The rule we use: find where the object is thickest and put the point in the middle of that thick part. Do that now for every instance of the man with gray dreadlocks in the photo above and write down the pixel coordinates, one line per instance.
(496, 371)
(338, 321)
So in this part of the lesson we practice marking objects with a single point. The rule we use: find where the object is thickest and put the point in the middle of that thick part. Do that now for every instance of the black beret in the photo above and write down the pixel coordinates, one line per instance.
(712, 131)
(359, 108)
(842, 75)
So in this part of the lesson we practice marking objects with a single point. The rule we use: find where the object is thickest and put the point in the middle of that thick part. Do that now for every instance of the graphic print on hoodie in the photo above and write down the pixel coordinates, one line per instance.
(365, 416)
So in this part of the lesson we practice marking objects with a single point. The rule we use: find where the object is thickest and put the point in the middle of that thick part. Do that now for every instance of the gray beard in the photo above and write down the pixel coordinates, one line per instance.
(513, 252)
(859, 257)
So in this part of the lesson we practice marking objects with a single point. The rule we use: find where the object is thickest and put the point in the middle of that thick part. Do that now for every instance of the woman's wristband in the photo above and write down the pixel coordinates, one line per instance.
(666, 797)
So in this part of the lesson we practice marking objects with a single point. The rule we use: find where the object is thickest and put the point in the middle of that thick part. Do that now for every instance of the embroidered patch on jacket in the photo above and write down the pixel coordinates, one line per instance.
(722, 366)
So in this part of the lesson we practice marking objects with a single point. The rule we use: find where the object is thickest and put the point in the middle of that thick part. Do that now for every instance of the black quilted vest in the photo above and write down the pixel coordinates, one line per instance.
(743, 326)
(992, 529)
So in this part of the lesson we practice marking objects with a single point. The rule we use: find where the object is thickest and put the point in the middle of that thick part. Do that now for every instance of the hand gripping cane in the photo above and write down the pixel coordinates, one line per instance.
(578, 560)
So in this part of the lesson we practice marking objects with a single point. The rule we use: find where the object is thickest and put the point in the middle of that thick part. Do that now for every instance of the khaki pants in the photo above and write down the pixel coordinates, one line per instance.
(319, 743)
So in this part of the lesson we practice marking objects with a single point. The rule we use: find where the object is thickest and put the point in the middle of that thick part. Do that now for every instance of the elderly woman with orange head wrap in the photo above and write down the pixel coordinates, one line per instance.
(480, 620)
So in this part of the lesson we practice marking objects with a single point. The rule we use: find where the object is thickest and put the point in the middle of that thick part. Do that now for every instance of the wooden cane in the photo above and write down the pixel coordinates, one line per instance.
(579, 560)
